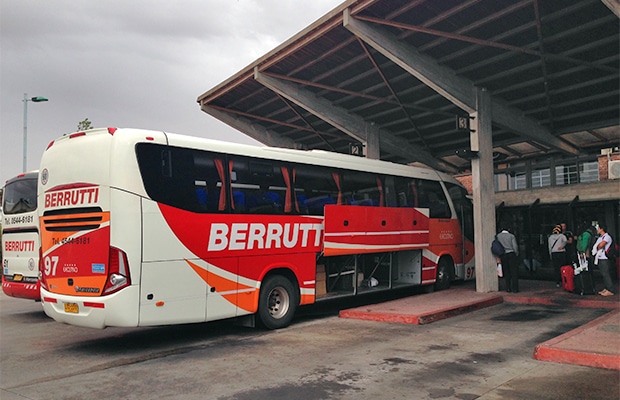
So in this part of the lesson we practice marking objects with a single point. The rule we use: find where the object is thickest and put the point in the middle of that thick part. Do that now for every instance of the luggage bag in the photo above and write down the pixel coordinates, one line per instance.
(584, 283)
(568, 278)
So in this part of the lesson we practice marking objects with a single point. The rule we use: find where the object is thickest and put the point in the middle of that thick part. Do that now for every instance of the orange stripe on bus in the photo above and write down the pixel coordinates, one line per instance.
(246, 300)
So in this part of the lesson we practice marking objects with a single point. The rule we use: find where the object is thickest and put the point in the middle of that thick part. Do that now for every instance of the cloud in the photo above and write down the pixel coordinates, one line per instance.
(129, 63)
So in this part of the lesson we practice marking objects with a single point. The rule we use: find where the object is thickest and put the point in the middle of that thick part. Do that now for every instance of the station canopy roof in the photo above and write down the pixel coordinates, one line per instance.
(405, 69)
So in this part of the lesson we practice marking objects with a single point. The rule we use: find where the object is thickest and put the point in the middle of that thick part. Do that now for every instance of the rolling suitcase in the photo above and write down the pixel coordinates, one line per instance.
(568, 278)
(584, 283)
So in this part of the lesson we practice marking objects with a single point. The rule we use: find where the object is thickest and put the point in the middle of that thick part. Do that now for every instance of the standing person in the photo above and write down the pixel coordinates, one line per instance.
(570, 248)
(510, 259)
(557, 251)
(585, 240)
(600, 258)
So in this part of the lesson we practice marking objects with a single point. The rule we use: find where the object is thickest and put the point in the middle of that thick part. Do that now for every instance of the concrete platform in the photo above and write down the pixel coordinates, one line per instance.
(425, 308)
(596, 344)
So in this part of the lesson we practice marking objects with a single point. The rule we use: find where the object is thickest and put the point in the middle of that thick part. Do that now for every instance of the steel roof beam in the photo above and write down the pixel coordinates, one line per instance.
(613, 6)
(353, 125)
(458, 90)
(255, 131)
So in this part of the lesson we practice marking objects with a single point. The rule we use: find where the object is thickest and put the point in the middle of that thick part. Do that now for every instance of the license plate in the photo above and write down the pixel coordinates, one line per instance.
(72, 308)
(18, 278)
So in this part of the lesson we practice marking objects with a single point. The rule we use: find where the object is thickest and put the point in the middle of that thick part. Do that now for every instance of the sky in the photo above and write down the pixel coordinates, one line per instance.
(128, 64)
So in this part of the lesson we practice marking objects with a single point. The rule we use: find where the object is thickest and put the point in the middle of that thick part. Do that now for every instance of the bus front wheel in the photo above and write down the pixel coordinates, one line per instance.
(277, 302)
(445, 271)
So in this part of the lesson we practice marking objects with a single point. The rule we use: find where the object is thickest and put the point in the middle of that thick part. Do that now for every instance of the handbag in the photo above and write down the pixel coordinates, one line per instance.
(497, 249)
(500, 271)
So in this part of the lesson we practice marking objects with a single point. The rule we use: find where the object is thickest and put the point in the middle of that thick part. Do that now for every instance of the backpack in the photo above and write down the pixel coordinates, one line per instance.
(497, 249)
(583, 241)
(612, 251)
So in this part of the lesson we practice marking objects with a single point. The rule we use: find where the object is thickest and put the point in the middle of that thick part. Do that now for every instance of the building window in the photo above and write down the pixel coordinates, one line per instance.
(588, 172)
(566, 174)
(541, 178)
(518, 181)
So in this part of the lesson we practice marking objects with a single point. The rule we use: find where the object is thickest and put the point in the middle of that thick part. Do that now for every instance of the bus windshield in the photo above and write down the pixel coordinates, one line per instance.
(20, 196)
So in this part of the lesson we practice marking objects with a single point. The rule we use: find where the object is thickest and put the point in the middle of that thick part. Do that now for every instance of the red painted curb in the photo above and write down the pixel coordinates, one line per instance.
(423, 318)
(465, 308)
(551, 349)
(578, 303)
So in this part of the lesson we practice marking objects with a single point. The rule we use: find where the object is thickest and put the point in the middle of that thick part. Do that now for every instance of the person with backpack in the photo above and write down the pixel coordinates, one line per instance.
(599, 251)
(586, 240)
(557, 252)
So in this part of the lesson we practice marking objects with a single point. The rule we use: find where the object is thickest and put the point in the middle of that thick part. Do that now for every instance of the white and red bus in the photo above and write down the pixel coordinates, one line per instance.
(20, 237)
(144, 228)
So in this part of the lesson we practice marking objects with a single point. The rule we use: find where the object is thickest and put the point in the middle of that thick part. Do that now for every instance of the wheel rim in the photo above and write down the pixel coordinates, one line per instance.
(279, 302)
(443, 274)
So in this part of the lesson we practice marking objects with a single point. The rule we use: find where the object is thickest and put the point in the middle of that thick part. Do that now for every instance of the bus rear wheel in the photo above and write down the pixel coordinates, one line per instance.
(277, 302)
(445, 271)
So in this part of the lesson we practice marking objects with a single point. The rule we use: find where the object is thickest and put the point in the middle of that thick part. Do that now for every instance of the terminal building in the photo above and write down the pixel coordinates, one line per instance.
(519, 100)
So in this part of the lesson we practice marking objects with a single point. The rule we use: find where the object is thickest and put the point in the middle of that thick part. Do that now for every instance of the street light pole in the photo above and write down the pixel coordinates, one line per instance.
(36, 99)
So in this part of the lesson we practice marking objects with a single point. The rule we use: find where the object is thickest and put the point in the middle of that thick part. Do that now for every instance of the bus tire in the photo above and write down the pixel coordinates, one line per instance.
(445, 271)
(277, 302)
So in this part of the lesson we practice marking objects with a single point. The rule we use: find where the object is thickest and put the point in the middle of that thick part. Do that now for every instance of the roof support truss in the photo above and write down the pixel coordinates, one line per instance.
(353, 125)
(255, 131)
(458, 90)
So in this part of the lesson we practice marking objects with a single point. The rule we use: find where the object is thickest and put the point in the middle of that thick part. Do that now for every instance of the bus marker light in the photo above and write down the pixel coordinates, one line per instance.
(93, 305)
(111, 131)
(50, 145)
(77, 135)
(159, 304)
(49, 300)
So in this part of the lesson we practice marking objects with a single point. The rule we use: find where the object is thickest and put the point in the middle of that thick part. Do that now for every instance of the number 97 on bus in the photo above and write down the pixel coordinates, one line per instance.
(49, 265)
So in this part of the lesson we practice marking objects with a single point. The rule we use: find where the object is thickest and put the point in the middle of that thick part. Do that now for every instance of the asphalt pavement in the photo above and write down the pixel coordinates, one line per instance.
(482, 353)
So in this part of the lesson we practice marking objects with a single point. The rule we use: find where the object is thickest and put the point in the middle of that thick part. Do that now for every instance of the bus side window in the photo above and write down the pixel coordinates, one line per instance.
(431, 196)
(405, 192)
(315, 187)
(363, 189)
(390, 192)
(258, 186)
(463, 207)
(182, 178)
(208, 182)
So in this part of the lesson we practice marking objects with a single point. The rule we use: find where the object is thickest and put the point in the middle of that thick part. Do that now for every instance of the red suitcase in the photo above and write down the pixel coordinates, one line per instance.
(568, 278)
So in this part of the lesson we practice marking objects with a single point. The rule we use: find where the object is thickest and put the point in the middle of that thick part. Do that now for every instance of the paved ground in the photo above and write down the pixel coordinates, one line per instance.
(596, 344)
(483, 354)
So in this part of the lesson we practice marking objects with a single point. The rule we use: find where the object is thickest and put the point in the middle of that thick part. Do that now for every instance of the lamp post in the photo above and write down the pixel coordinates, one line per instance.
(36, 99)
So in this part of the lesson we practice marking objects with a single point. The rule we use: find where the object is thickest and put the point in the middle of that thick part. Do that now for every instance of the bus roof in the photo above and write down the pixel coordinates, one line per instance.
(29, 174)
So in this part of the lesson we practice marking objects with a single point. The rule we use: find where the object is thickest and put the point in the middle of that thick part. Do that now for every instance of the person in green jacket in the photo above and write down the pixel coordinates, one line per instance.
(585, 241)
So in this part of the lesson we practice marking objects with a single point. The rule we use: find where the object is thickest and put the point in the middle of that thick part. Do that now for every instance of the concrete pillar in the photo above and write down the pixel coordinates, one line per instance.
(484, 193)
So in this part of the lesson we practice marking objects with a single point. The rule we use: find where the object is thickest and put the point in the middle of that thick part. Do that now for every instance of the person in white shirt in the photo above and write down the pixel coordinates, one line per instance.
(510, 260)
(600, 258)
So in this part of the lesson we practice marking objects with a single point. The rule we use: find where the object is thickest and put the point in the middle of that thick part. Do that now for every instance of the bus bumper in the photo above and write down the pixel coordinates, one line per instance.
(119, 309)
(22, 290)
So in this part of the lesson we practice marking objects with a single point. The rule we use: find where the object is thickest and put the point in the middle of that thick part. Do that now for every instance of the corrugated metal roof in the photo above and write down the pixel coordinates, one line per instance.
(554, 62)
